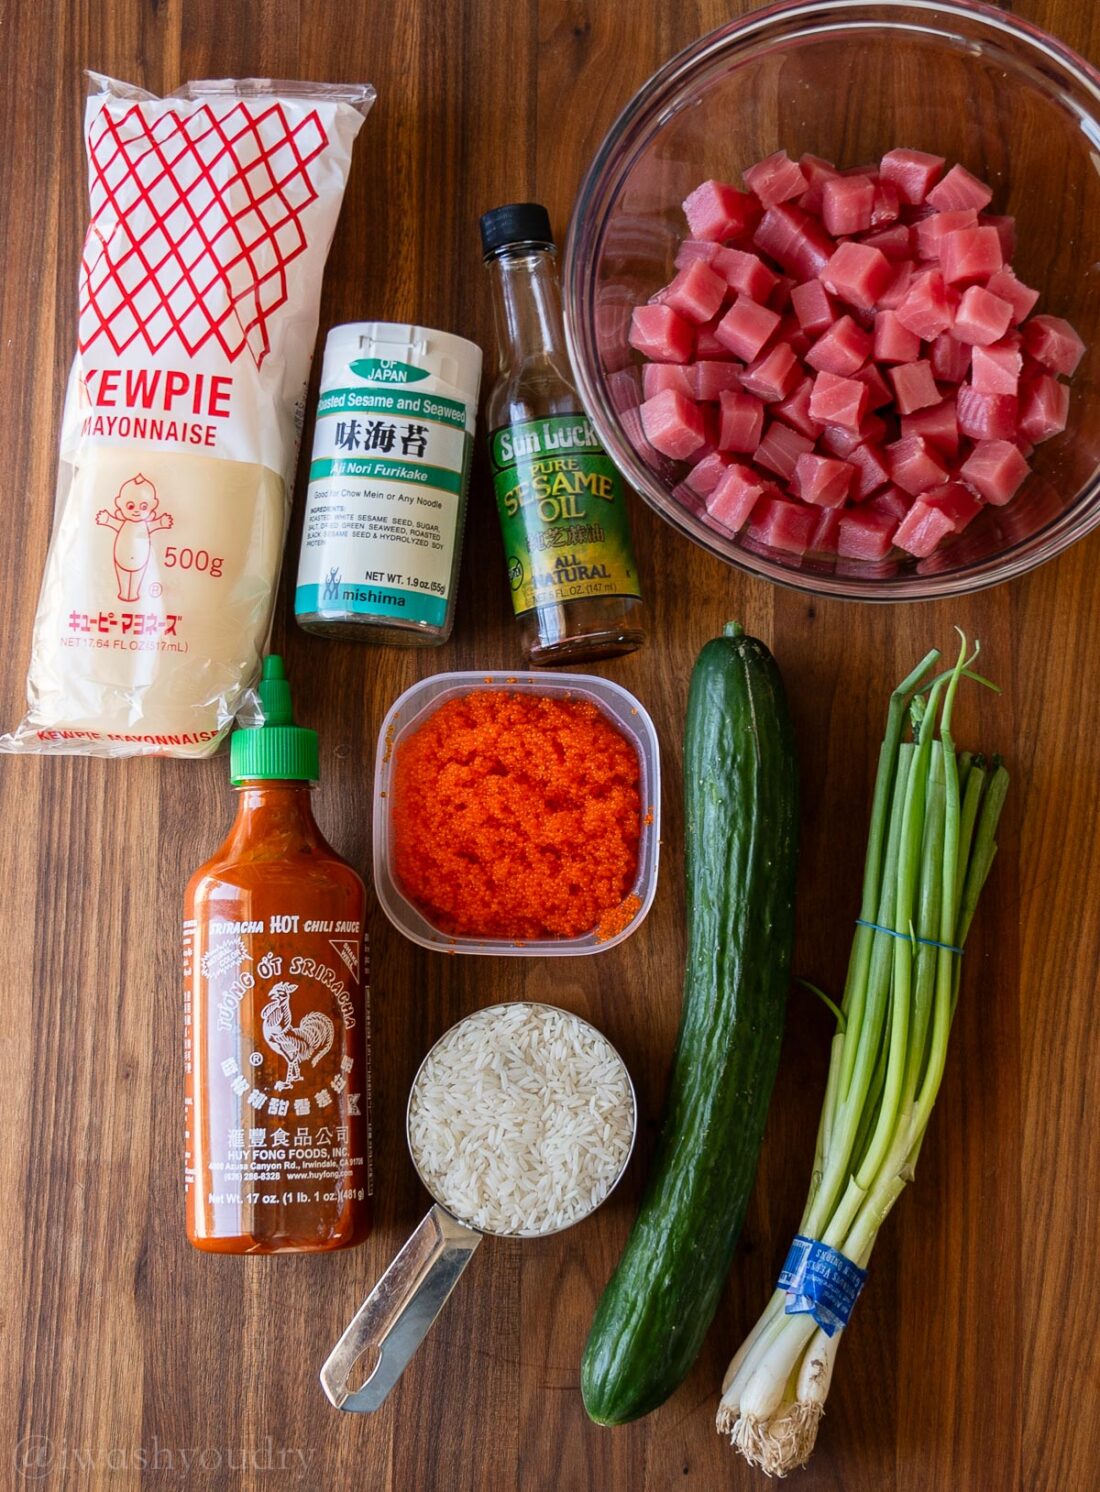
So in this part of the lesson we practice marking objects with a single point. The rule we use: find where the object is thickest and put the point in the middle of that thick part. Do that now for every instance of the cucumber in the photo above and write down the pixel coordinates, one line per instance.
(741, 798)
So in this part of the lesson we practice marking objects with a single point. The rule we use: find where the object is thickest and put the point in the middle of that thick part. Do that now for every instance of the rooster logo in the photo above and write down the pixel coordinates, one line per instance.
(308, 1041)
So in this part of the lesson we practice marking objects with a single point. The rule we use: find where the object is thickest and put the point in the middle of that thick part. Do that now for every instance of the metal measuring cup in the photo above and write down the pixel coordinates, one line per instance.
(398, 1313)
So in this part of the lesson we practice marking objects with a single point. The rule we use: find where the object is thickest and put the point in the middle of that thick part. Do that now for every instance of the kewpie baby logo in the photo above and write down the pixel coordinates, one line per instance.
(134, 520)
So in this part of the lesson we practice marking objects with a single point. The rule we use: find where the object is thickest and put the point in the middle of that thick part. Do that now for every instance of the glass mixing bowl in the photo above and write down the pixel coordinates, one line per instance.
(849, 81)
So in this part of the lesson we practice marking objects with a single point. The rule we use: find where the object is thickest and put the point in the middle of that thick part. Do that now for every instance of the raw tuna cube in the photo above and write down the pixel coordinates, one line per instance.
(692, 249)
(772, 376)
(1020, 297)
(795, 240)
(838, 401)
(673, 425)
(658, 376)
(987, 416)
(996, 369)
(813, 307)
(878, 390)
(914, 386)
(930, 232)
(842, 349)
(915, 465)
(742, 422)
(746, 327)
(894, 343)
(826, 531)
(922, 529)
(896, 242)
(747, 273)
(1054, 343)
(782, 524)
(969, 255)
(1006, 232)
(886, 207)
(858, 274)
(872, 471)
(709, 414)
(775, 179)
(847, 203)
(660, 333)
(817, 172)
(705, 475)
(1044, 408)
(959, 189)
(696, 292)
(982, 318)
(822, 480)
(913, 172)
(708, 379)
(838, 441)
(865, 534)
(956, 502)
(781, 448)
(795, 410)
(898, 287)
(791, 333)
(717, 211)
(707, 345)
(926, 309)
(780, 298)
(950, 358)
(995, 468)
(893, 502)
(938, 424)
(735, 495)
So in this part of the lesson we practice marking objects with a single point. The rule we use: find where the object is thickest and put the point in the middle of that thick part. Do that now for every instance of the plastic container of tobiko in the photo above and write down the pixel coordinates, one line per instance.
(413, 707)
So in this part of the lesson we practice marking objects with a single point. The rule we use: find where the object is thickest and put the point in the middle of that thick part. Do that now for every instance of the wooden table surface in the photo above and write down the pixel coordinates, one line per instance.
(129, 1360)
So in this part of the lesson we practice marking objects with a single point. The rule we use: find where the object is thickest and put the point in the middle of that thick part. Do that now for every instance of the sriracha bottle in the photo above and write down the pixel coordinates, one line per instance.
(276, 1013)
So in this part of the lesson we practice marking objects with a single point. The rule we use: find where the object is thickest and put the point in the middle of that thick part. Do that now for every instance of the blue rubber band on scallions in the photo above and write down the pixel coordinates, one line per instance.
(820, 1282)
(892, 932)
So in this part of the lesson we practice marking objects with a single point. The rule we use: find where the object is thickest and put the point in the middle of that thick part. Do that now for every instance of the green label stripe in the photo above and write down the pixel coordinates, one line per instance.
(383, 401)
(415, 474)
(372, 600)
(531, 440)
(388, 370)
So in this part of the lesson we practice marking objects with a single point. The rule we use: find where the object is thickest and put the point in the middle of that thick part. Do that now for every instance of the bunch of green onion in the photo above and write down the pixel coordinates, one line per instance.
(931, 845)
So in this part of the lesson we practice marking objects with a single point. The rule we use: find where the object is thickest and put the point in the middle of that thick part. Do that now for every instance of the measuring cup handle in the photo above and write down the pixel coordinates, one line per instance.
(398, 1313)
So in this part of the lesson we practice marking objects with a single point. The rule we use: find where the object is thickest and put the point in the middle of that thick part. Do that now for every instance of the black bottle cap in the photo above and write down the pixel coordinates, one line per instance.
(518, 222)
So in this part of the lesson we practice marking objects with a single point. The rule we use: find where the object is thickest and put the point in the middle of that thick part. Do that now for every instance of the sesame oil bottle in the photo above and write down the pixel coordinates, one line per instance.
(562, 503)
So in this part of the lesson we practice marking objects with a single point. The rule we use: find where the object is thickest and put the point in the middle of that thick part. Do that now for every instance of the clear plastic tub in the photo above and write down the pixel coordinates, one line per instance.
(413, 707)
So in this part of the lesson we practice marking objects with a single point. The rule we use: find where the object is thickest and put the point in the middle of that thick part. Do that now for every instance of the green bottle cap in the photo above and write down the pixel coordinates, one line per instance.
(278, 750)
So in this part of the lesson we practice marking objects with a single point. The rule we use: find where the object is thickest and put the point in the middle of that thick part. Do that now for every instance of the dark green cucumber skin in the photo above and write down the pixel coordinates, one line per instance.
(741, 798)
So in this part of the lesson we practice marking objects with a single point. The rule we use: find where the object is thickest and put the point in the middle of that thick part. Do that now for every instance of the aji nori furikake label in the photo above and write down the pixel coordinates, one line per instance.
(562, 513)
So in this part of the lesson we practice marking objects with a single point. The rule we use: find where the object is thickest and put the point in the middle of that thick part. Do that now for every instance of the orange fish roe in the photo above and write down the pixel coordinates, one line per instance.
(612, 923)
(516, 816)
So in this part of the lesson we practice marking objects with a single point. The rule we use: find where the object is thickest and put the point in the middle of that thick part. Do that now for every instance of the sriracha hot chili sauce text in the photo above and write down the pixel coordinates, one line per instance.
(276, 1013)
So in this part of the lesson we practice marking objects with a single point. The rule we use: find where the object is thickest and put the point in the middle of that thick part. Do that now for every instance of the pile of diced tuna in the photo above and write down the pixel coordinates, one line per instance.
(846, 358)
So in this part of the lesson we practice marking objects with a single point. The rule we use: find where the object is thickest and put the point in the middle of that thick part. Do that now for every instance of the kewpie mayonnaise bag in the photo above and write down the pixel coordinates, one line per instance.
(211, 216)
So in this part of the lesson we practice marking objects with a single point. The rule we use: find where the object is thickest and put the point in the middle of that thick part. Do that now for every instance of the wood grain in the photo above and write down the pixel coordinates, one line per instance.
(972, 1362)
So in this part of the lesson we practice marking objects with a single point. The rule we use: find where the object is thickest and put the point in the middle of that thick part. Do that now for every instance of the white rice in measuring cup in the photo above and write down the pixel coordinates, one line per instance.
(521, 1119)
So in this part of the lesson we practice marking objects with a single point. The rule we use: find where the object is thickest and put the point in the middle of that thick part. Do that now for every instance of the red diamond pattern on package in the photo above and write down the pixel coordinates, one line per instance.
(196, 216)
